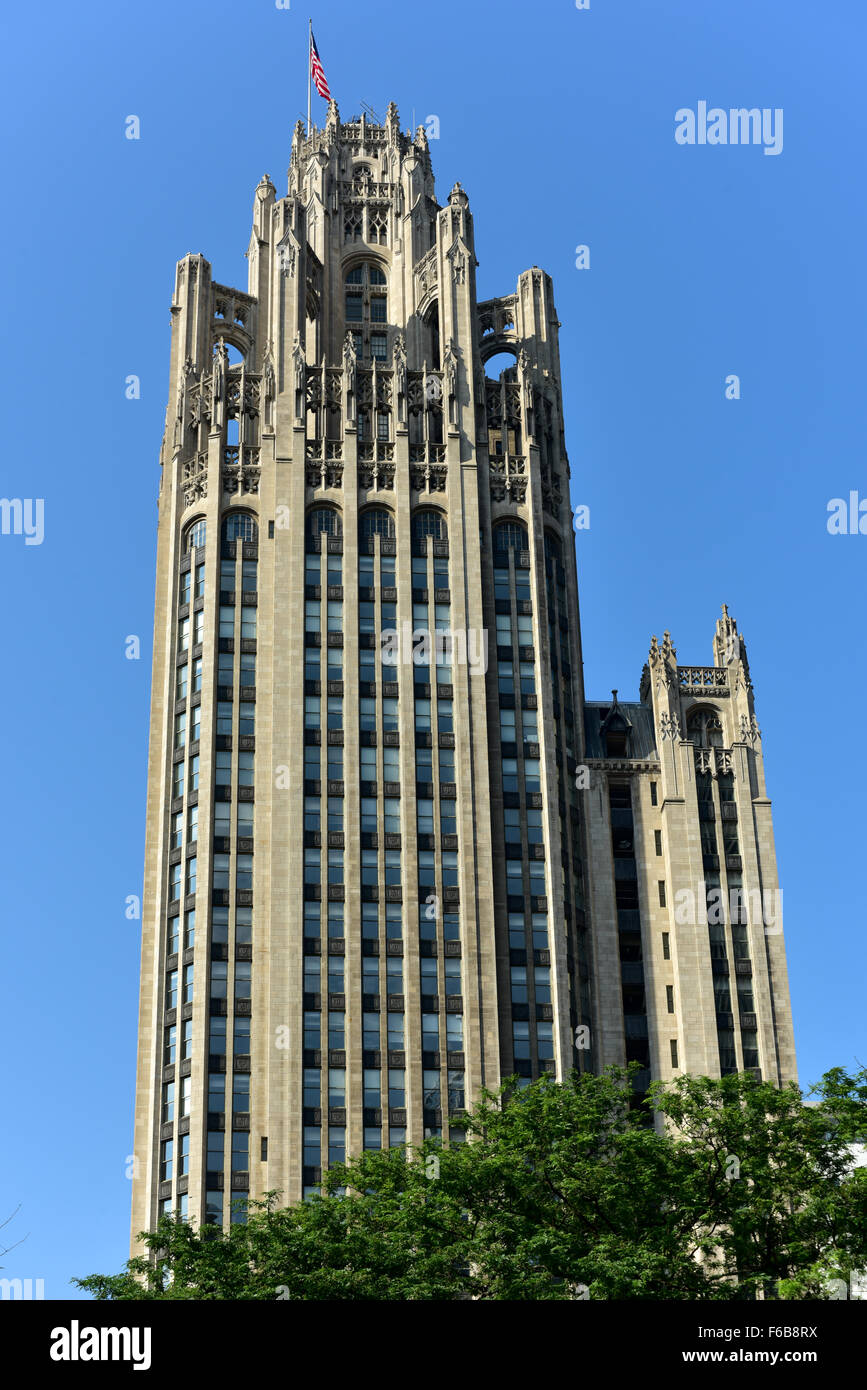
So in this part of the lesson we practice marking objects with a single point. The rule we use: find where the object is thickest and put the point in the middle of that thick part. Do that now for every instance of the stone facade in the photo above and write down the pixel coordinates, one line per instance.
(686, 908)
(365, 876)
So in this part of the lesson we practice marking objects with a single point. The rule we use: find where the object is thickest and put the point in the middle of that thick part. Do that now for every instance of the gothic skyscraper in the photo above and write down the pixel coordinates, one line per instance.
(391, 855)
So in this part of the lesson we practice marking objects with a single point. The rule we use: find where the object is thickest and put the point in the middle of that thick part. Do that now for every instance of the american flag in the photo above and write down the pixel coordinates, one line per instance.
(317, 70)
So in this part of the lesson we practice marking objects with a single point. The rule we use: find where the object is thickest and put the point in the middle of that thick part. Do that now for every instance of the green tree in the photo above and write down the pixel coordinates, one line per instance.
(786, 1213)
(562, 1191)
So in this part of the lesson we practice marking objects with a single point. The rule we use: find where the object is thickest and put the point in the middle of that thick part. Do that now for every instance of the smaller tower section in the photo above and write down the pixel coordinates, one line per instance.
(687, 906)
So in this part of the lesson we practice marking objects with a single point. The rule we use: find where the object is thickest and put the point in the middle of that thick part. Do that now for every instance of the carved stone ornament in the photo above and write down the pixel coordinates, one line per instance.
(241, 471)
(661, 662)
(221, 366)
(704, 761)
(670, 726)
(268, 378)
(195, 480)
(298, 363)
(286, 257)
(450, 366)
(427, 272)
(400, 364)
(431, 478)
(350, 360)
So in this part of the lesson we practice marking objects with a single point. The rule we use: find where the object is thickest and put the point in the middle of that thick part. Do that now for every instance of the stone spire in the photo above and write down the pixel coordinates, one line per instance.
(727, 644)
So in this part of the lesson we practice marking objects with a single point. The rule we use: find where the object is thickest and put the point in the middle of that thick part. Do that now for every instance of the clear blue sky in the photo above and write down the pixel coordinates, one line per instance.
(704, 262)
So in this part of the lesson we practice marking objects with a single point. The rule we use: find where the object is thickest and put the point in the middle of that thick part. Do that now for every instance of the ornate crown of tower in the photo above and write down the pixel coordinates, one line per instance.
(361, 316)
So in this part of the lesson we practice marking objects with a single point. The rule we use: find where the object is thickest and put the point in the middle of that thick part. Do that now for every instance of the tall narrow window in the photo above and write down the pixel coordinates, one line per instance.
(366, 304)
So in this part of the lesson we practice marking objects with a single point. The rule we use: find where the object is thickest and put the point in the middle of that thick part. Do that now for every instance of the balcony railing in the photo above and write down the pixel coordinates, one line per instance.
(703, 677)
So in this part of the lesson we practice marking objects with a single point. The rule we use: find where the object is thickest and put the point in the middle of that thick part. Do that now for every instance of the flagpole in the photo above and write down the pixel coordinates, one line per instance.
(309, 70)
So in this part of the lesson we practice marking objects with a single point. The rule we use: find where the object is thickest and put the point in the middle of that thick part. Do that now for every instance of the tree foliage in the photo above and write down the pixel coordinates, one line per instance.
(713, 1189)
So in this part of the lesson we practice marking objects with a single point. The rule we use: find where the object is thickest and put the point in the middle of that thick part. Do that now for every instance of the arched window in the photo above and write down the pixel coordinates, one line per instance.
(553, 547)
(499, 363)
(379, 228)
(196, 535)
(376, 522)
(511, 535)
(432, 335)
(366, 308)
(704, 729)
(429, 524)
(352, 227)
(240, 526)
(324, 521)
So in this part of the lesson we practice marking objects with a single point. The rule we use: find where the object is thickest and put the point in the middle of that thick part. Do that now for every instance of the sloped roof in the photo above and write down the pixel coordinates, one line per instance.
(642, 738)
